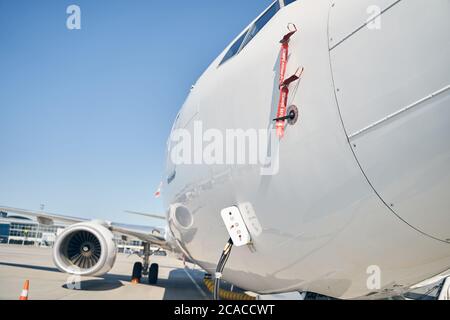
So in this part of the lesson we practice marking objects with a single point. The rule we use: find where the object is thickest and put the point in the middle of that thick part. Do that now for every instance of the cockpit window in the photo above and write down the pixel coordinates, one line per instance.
(288, 2)
(234, 48)
(252, 31)
(261, 22)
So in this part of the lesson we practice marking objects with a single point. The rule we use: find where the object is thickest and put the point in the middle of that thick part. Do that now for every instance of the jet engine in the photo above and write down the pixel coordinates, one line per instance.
(85, 249)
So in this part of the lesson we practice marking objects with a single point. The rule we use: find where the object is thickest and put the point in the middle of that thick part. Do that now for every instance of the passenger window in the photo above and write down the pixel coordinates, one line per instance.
(288, 2)
(261, 22)
(234, 48)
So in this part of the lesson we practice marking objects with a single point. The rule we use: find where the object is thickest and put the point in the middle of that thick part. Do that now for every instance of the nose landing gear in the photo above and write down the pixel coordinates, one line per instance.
(140, 269)
(153, 273)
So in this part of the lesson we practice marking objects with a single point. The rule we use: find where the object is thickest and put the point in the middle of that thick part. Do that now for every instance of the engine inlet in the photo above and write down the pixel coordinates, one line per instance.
(82, 249)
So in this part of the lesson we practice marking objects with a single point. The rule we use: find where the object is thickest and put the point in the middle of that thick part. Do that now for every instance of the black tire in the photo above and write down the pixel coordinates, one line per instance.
(153, 273)
(137, 271)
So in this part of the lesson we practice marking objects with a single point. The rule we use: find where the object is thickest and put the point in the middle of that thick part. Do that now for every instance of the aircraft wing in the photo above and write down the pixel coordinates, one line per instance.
(154, 235)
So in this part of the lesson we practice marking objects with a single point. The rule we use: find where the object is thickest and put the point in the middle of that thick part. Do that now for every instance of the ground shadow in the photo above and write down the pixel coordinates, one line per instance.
(18, 265)
(179, 284)
(93, 285)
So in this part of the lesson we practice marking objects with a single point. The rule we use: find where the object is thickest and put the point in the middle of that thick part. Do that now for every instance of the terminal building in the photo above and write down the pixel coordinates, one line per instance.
(15, 229)
(19, 230)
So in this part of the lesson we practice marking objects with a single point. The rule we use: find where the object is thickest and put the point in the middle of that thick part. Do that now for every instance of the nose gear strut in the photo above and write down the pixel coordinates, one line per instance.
(144, 268)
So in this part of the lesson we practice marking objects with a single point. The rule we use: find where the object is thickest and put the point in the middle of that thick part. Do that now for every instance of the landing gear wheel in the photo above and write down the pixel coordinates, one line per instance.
(137, 271)
(153, 273)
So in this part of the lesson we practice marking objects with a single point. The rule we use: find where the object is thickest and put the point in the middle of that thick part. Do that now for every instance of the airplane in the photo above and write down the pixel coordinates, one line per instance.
(354, 98)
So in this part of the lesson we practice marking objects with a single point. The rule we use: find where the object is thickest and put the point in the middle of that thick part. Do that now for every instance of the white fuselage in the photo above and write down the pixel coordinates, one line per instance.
(364, 175)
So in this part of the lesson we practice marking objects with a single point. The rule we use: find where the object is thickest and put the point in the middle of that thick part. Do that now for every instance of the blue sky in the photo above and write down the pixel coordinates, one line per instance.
(85, 114)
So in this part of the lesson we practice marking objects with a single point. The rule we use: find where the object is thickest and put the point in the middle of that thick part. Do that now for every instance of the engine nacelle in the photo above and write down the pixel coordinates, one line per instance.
(85, 249)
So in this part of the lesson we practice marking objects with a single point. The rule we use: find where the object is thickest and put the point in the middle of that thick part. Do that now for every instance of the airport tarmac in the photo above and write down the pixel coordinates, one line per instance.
(19, 263)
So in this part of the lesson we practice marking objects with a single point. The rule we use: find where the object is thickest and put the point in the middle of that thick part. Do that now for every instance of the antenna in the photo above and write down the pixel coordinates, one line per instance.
(148, 215)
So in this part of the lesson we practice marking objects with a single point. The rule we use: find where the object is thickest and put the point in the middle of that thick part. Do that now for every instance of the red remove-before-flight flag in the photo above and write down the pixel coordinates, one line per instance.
(158, 192)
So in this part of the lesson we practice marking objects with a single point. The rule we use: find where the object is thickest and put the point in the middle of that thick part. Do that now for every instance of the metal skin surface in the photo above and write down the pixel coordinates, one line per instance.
(326, 216)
